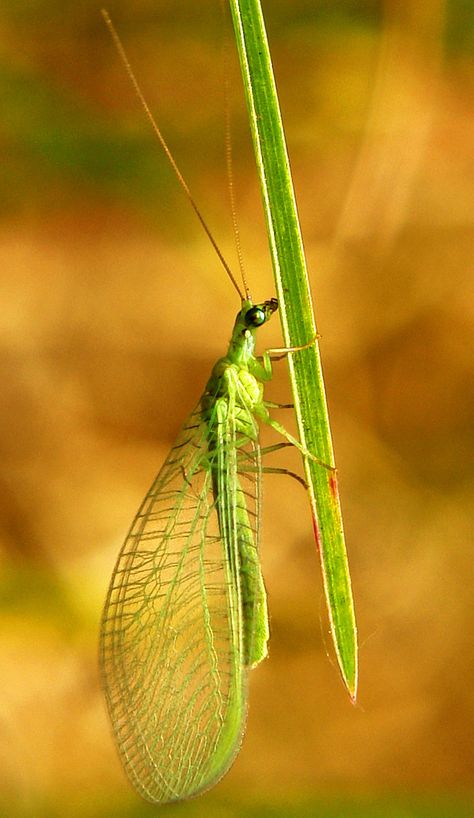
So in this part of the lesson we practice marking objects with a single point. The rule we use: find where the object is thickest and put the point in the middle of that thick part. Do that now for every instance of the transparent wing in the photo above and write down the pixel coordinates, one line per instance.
(171, 637)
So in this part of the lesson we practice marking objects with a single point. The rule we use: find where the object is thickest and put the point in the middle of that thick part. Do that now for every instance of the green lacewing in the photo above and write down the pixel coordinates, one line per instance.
(186, 614)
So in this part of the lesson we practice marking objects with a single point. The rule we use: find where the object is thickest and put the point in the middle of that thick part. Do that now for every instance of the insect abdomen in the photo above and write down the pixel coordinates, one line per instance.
(252, 587)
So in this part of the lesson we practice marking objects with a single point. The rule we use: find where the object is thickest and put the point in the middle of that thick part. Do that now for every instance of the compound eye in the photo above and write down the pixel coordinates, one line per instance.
(255, 317)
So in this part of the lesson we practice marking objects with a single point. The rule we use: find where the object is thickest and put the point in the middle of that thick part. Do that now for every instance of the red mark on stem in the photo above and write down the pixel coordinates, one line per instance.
(317, 533)
(333, 487)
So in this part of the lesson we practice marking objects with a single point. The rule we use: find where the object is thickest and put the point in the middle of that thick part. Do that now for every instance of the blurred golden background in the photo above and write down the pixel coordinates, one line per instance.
(113, 309)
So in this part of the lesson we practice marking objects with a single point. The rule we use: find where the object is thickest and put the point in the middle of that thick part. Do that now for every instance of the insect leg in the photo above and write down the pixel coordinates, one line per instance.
(271, 405)
(246, 457)
(277, 470)
(271, 469)
(261, 367)
(274, 448)
(278, 353)
(263, 414)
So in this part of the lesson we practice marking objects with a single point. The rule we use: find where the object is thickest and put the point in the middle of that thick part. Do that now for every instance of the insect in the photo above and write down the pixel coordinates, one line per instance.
(186, 613)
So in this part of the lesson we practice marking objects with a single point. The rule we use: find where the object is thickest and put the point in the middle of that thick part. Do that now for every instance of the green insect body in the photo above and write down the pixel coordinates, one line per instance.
(186, 612)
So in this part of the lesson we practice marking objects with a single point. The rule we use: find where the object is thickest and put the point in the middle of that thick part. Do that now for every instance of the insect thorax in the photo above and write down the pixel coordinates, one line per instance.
(236, 382)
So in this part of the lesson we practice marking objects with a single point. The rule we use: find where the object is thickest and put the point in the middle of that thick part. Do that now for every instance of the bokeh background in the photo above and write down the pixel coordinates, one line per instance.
(113, 309)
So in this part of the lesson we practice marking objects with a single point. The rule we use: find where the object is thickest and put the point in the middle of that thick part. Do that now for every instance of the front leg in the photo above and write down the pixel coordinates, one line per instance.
(262, 367)
(279, 353)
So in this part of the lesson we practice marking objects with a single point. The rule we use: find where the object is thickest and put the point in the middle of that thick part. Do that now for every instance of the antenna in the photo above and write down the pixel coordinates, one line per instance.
(228, 149)
(123, 56)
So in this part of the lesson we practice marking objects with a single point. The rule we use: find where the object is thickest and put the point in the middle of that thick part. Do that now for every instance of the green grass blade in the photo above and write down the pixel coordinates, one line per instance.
(298, 324)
